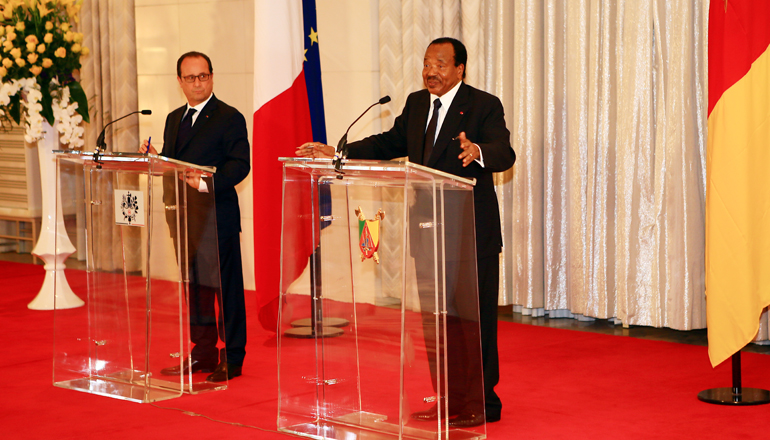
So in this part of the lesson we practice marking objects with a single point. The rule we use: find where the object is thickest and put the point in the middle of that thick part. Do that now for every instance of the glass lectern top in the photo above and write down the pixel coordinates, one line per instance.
(381, 170)
(127, 159)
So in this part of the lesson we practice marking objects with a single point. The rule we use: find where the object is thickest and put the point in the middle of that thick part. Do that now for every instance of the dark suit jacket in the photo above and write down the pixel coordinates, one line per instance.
(219, 138)
(481, 116)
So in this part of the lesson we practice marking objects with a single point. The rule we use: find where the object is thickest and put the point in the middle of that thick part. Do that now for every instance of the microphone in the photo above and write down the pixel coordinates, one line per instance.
(101, 145)
(342, 146)
(100, 140)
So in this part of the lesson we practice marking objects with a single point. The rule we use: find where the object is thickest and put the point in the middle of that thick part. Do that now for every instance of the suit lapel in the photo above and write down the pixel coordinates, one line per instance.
(451, 124)
(416, 136)
(200, 121)
(175, 119)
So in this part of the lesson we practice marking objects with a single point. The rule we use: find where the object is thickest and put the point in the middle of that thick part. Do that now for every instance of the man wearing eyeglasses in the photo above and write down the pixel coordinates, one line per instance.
(208, 132)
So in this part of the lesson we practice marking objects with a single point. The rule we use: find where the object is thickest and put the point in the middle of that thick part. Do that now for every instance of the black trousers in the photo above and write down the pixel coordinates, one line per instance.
(489, 283)
(462, 334)
(209, 288)
(233, 302)
(230, 326)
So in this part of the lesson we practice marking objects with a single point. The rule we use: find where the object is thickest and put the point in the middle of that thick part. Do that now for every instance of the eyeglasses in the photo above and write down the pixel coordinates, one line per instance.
(191, 78)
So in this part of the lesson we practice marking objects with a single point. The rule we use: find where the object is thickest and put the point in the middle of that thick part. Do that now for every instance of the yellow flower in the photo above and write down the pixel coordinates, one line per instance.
(85, 52)
(78, 37)
(11, 36)
(60, 52)
(31, 47)
(65, 27)
(75, 48)
(36, 70)
(32, 58)
(9, 29)
(47, 62)
(31, 39)
(48, 25)
(3, 72)
(43, 10)
(20, 62)
(7, 13)
(16, 52)
(7, 63)
(41, 48)
(7, 46)
(2, 31)
(69, 36)
(48, 38)
(20, 26)
(72, 11)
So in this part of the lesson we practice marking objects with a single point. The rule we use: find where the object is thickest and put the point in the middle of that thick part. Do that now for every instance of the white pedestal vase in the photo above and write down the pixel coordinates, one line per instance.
(53, 246)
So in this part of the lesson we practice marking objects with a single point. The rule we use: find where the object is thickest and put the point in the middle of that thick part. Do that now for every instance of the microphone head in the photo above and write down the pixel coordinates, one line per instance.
(146, 112)
(385, 99)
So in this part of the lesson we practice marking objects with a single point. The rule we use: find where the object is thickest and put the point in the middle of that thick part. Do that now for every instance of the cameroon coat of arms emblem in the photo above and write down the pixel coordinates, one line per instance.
(369, 234)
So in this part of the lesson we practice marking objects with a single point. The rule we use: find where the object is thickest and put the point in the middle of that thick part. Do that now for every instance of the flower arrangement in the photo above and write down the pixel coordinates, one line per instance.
(39, 59)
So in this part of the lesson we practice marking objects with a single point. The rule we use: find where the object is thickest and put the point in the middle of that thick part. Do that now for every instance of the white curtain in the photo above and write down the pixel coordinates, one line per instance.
(603, 213)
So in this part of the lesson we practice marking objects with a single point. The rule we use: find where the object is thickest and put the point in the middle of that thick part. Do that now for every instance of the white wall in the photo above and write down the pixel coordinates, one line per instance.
(224, 30)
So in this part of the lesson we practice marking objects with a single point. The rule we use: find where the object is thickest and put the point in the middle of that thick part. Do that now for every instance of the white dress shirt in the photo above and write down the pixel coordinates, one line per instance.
(446, 102)
(202, 187)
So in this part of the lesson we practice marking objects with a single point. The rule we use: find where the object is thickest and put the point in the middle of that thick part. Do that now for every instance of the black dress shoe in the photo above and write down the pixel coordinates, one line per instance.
(429, 414)
(225, 371)
(194, 365)
(467, 420)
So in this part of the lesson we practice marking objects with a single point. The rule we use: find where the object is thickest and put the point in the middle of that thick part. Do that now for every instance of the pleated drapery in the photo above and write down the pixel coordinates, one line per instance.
(603, 213)
(109, 72)
(109, 78)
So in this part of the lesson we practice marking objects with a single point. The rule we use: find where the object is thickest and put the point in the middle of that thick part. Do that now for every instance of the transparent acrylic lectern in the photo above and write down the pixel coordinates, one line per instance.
(389, 247)
(151, 282)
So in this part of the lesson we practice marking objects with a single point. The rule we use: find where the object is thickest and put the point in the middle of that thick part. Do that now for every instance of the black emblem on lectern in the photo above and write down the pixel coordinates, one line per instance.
(129, 207)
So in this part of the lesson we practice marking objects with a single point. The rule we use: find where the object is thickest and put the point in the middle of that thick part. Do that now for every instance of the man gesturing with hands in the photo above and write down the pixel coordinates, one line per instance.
(454, 128)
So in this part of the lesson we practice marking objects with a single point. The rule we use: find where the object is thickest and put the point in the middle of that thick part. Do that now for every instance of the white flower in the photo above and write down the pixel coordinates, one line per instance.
(68, 119)
(33, 120)
(65, 112)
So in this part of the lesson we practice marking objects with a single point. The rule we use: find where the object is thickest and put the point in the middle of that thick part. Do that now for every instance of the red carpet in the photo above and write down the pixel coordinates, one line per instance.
(556, 384)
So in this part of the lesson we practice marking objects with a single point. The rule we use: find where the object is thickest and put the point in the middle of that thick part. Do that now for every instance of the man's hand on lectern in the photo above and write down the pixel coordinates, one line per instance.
(315, 150)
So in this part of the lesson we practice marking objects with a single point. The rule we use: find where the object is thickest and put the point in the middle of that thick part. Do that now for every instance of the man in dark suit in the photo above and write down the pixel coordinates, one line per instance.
(458, 129)
(208, 132)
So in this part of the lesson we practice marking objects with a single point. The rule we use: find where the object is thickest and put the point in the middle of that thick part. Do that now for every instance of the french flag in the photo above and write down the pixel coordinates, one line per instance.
(288, 103)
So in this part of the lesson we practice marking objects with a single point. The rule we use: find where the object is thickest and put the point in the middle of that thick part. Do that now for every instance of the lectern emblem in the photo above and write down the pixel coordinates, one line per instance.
(369, 234)
(129, 207)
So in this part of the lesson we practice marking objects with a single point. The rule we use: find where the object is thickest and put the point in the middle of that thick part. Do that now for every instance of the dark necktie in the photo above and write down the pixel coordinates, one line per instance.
(430, 134)
(185, 127)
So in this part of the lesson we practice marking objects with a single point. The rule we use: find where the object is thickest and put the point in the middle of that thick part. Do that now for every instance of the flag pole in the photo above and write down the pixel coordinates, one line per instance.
(316, 326)
(737, 395)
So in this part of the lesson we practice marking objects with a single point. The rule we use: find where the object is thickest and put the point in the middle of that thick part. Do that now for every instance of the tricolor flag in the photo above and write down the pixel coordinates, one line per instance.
(738, 174)
(288, 103)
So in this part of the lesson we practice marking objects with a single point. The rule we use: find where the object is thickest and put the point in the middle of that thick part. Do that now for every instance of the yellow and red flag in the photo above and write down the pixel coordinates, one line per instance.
(738, 174)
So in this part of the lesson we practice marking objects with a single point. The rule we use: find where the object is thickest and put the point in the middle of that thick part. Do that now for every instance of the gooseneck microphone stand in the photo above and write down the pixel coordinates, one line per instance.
(341, 153)
(101, 146)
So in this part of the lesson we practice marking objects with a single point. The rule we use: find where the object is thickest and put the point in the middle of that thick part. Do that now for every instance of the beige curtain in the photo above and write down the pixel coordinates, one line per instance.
(109, 72)
(603, 213)
(109, 78)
